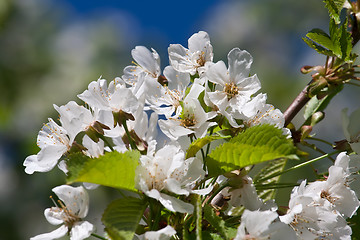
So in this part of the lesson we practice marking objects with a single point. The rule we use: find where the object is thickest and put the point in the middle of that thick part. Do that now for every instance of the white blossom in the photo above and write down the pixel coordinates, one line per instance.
(166, 99)
(163, 234)
(194, 59)
(116, 98)
(167, 169)
(193, 119)
(145, 62)
(74, 206)
(311, 220)
(233, 86)
(262, 225)
(54, 143)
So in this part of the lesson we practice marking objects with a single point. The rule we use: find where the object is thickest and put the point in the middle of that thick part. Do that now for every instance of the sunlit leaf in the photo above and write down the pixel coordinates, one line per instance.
(113, 169)
(255, 145)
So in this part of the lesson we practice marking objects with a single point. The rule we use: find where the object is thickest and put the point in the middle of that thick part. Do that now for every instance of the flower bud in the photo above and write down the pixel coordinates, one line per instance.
(305, 131)
(316, 118)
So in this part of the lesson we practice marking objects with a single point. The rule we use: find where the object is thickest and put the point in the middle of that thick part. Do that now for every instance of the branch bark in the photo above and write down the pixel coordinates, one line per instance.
(298, 103)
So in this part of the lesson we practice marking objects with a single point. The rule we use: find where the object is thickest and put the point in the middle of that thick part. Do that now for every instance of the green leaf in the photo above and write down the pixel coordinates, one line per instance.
(315, 105)
(269, 169)
(215, 221)
(318, 48)
(113, 169)
(334, 7)
(122, 216)
(198, 144)
(345, 42)
(322, 38)
(257, 144)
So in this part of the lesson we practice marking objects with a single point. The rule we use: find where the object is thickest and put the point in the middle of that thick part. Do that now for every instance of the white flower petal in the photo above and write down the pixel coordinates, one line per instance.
(81, 230)
(76, 199)
(175, 205)
(239, 63)
(162, 234)
(57, 233)
(54, 215)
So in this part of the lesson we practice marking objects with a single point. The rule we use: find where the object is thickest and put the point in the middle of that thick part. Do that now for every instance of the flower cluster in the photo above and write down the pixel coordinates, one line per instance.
(192, 99)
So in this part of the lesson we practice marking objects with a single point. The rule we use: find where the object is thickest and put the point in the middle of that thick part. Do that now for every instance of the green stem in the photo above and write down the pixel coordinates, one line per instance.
(97, 236)
(132, 144)
(198, 218)
(299, 166)
(320, 140)
(221, 187)
(275, 186)
(106, 142)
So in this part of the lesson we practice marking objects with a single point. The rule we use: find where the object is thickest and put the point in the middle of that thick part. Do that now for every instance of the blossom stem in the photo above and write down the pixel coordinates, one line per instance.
(106, 142)
(97, 236)
(132, 144)
(320, 140)
(221, 187)
(298, 166)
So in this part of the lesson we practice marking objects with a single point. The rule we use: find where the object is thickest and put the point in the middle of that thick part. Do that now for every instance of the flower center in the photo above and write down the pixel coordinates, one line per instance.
(67, 215)
(326, 195)
(201, 60)
(231, 90)
(188, 122)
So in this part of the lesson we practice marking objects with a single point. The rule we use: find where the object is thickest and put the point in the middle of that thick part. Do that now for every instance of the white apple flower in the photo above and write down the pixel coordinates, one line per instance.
(54, 143)
(245, 195)
(334, 191)
(257, 112)
(163, 234)
(166, 99)
(233, 86)
(351, 165)
(145, 62)
(116, 98)
(351, 129)
(75, 119)
(194, 59)
(167, 169)
(262, 225)
(70, 211)
(193, 119)
(311, 220)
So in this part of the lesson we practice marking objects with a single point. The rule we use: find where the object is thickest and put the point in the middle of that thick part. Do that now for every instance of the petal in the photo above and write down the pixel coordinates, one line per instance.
(76, 199)
(57, 233)
(97, 95)
(123, 99)
(218, 73)
(257, 222)
(45, 160)
(239, 63)
(54, 215)
(248, 86)
(198, 42)
(81, 230)
(177, 80)
(172, 129)
(162, 234)
(174, 186)
(175, 205)
(179, 58)
(146, 59)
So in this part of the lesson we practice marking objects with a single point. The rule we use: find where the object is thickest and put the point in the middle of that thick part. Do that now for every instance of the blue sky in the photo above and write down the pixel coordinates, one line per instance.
(174, 21)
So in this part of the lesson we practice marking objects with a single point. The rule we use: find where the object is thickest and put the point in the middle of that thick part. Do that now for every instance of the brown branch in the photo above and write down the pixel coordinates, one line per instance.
(298, 103)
